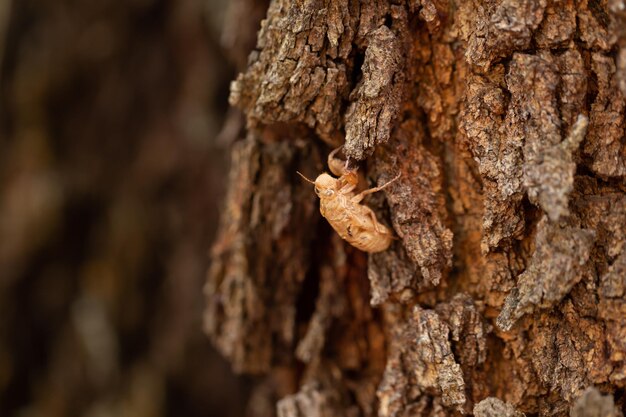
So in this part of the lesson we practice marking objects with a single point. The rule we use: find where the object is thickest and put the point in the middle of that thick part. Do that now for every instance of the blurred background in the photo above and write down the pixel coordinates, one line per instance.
(114, 139)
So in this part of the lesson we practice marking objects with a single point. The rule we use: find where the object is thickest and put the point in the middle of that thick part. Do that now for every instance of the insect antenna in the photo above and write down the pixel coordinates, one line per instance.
(305, 178)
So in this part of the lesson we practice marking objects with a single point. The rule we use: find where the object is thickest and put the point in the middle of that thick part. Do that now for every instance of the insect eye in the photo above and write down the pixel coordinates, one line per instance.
(317, 190)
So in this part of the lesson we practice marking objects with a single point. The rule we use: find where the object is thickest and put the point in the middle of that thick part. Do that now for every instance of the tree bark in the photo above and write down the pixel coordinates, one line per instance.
(505, 290)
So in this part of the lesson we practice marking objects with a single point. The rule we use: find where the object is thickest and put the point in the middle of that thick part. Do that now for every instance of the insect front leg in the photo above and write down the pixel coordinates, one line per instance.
(357, 198)
(336, 165)
(347, 188)
(349, 180)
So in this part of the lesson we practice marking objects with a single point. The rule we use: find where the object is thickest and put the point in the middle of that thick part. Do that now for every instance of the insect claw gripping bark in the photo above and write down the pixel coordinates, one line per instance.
(354, 222)
(336, 165)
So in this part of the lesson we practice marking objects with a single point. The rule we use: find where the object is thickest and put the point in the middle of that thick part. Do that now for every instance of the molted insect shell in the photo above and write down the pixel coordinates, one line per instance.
(354, 222)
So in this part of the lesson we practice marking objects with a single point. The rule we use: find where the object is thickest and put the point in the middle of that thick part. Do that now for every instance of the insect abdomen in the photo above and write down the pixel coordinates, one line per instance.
(355, 228)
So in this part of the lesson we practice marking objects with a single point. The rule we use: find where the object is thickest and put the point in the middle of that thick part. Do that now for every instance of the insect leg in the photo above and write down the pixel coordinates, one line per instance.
(377, 226)
(350, 178)
(357, 198)
(348, 188)
(336, 165)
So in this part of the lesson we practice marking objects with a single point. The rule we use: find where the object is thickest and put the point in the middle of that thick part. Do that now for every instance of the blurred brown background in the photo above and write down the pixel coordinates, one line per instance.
(113, 170)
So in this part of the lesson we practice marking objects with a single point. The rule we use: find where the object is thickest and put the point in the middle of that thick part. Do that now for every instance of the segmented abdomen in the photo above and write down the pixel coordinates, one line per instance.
(354, 225)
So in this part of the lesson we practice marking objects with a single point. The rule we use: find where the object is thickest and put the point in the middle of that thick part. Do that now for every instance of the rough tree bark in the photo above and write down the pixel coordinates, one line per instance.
(505, 292)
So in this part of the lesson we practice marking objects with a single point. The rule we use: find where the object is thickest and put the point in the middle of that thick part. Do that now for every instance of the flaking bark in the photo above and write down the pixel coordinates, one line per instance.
(503, 293)
(494, 407)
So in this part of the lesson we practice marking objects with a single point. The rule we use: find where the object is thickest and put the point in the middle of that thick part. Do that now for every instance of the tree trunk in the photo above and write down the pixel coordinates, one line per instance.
(505, 289)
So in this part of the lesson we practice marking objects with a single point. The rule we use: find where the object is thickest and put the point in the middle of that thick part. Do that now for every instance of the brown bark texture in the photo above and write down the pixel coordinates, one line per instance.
(504, 293)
